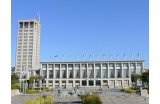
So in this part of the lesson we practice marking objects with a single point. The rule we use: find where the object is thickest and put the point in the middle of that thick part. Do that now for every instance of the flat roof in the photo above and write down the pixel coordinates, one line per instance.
(93, 61)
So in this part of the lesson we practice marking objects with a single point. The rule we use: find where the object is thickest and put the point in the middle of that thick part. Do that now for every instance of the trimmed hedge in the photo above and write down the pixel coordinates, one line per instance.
(90, 99)
(40, 100)
(128, 90)
(47, 89)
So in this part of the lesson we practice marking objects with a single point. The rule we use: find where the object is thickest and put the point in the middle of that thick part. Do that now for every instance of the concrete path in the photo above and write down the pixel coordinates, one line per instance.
(108, 97)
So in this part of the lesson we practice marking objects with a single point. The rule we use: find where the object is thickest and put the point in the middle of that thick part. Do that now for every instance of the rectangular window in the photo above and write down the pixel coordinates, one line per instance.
(45, 73)
(30, 39)
(23, 62)
(25, 40)
(19, 46)
(18, 53)
(20, 37)
(24, 46)
(111, 65)
(25, 34)
(30, 36)
(25, 30)
(25, 37)
(30, 49)
(24, 52)
(20, 34)
(30, 43)
(50, 65)
(29, 52)
(24, 49)
(30, 33)
(31, 24)
(20, 30)
(19, 43)
(18, 62)
(19, 40)
(18, 59)
(24, 56)
(63, 66)
(18, 56)
(118, 65)
(24, 43)
(31, 30)
(24, 59)
(50, 73)
(20, 24)
(26, 25)
(19, 49)
(29, 62)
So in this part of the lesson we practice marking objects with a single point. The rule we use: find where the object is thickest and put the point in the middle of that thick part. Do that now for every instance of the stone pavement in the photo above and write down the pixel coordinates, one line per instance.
(108, 97)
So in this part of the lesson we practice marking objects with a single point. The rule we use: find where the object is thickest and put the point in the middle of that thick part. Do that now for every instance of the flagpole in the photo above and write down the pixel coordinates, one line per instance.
(103, 57)
(39, 15)
(63, 58)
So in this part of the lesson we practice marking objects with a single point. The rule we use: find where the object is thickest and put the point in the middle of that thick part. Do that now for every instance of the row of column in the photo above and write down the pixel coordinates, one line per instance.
(81, 83)
(87, 68)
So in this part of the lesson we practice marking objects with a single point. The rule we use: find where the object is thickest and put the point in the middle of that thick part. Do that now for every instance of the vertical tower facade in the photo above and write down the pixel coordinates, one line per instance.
(28, 45)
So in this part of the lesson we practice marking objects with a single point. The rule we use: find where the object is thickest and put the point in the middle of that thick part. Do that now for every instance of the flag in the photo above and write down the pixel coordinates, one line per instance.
(124, 55)
(50, 57)
(56, 56)
(110, 55)
(117, 54)
(63, 55)
(90, 55)
(38, 13)
(138, 55)
(103, 54)
(83, 56)
(97, 55)
(131, 55)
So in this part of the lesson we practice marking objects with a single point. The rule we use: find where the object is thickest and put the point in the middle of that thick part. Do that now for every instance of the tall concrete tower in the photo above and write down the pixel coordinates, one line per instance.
(28, 46)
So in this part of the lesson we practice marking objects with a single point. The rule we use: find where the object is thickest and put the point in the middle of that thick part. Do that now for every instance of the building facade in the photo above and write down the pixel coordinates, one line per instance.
(28, 45)
(90, 73)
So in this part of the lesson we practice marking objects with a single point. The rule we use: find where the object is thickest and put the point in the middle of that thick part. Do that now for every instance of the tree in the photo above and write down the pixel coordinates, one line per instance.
(135, 77)
(14, 79)
(145, 77)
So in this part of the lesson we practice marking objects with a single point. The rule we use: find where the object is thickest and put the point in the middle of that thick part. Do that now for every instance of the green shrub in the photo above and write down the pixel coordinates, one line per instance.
(40, 100)
(47, 89)
(130, 91)
(31, 91)
(15, 86)
(37, 90)
(91, 99)
(122, 89)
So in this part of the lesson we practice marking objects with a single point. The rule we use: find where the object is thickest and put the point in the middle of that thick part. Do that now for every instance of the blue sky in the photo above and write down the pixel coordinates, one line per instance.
(77, 27)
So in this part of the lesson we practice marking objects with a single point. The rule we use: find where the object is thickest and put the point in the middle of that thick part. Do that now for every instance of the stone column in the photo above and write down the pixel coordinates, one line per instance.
(94, 71)
(67, 71)
(136, 68)
(122, 73)
(47, 71)
(87, 75)
(101, 70)
(108, 70)
(129, 70)
(54, 71)
(73, 68)
(115, 71)
(60, 71)
(80, 70)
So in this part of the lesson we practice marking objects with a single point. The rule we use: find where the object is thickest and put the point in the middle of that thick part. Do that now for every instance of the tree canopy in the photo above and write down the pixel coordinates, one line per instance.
(14, 79)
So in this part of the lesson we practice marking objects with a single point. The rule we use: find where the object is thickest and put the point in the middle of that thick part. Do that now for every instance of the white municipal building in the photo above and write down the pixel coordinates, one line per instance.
(90, 73)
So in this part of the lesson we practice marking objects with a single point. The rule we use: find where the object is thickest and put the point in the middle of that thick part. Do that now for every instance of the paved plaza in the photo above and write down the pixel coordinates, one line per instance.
(110, 96)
